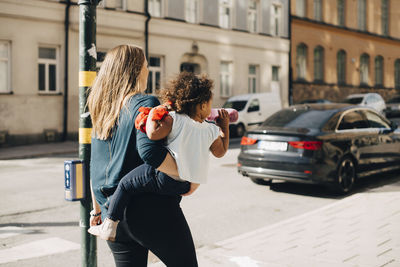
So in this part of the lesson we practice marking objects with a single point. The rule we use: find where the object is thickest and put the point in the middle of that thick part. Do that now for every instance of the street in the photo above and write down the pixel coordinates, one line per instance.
(39, 228)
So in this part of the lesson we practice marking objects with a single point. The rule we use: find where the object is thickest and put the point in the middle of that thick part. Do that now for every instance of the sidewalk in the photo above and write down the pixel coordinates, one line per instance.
(361, 230)
(39, 150)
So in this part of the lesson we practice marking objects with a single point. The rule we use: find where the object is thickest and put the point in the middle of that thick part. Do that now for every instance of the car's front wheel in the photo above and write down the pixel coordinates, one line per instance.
(346, 175)
(260, 181)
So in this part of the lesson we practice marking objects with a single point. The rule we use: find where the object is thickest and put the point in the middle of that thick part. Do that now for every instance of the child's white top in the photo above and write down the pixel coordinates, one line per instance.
(189, 143)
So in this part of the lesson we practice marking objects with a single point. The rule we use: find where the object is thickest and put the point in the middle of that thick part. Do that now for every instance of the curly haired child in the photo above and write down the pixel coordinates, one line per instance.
(189, 138)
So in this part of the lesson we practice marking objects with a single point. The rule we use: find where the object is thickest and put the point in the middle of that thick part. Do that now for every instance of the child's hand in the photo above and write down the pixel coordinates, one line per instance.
(193, 187)
(223, 119)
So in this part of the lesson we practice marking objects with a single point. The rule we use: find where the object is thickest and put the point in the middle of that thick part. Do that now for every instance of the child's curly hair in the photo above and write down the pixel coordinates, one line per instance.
(186, 91)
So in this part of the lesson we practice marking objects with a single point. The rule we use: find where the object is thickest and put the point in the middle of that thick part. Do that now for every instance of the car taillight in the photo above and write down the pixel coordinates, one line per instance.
(307, 145)
(246, 141)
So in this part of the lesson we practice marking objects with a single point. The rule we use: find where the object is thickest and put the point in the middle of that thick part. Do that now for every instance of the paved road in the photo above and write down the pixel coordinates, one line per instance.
(39, 228)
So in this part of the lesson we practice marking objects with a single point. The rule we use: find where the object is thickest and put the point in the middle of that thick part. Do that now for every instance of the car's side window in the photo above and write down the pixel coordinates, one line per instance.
(375, 121)
(353, 120)
(254, 105)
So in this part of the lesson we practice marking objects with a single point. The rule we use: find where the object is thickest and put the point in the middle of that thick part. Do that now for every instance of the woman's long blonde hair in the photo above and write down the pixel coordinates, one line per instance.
(116, 82)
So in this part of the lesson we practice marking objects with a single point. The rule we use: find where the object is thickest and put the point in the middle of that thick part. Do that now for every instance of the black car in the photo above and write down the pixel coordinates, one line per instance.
(330, 144)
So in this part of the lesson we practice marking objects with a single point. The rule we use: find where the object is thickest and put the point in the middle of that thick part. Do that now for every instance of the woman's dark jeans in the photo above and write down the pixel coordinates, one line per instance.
(143, 179)
(153, 221)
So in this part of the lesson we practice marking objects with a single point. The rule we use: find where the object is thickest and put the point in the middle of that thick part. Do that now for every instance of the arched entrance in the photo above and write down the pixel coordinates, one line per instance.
(194, 62)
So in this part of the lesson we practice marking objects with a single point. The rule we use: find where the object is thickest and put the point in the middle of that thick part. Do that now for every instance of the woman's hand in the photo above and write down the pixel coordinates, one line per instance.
(193, 187)
(95, 220)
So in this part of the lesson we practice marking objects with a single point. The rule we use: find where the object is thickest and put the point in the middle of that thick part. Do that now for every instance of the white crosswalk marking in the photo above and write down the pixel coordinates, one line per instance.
(38, 248)
(9, 231)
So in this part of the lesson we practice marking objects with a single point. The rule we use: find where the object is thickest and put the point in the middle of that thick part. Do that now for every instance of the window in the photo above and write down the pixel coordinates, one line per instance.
(225, 79)
(375, 121)
(364, 69)
(225, 14)
(5, 69)
(301, 61)
(362, 15)
(385, 17)
(319, 64)
(155, 7)
(379, 71)
(120, 4)
(254, 105)
(341, 12)
(252, 18)
(48, 71)
(276, 18)
(341, 67)
(252, 81)
(353, 120)
(397, 74)
(192, 11)
(301, 8)
(318, 10)
(275, 73)
(155, 74)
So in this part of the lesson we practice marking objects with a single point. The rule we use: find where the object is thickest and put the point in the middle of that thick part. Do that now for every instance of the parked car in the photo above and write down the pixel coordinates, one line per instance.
(372, 100)
(315, 101)
(393, 107)
(330, 144)
(252, 109)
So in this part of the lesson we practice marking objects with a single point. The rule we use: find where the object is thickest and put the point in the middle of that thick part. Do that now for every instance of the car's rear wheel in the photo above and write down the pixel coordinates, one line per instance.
(346, 175)
(260, 181)
(240, 130)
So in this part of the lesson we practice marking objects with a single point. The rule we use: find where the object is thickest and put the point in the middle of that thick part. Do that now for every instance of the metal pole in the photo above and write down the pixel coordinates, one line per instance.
(290, 56)
(87, 73)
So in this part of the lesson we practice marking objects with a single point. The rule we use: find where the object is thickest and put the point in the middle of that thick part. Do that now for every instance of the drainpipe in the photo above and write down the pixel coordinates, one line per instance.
(146, 28)
(290, 56)
(66, 46)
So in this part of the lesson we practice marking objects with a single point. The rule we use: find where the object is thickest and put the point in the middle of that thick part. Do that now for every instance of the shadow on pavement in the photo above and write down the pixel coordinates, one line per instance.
(40, 224)
(377, 182)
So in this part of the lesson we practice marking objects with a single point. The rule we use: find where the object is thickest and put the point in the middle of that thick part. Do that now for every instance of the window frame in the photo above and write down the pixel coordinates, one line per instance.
(318, 13)
(221, 6)
(276, 67)
(385, 20)
(341, 66)
(47, 63)
(229, 75)
(303, 5)
(162, 9)
(364, 75)
(124, 5)
(319, 63)
(379, 71)
(257, 17)
(341, 13)
(152, 71)
(253, 80)
(197, 11)
(8, 63)
(276, 29)
(362, 15)
(300, 69)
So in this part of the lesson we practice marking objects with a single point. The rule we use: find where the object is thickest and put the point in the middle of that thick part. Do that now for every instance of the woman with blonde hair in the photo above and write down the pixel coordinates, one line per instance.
(152, 222)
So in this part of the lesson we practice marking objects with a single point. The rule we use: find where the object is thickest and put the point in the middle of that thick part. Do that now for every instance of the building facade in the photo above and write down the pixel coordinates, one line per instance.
(342, 47)
(242, 45)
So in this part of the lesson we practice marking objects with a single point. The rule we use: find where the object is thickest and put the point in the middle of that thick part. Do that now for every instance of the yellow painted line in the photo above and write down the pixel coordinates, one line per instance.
(86, 78)
(85, 135)
(79, 180)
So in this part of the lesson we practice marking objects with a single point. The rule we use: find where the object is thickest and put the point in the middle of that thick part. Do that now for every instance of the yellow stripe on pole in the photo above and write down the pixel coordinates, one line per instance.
(79, 180)
(85, 135)
(86, 78)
